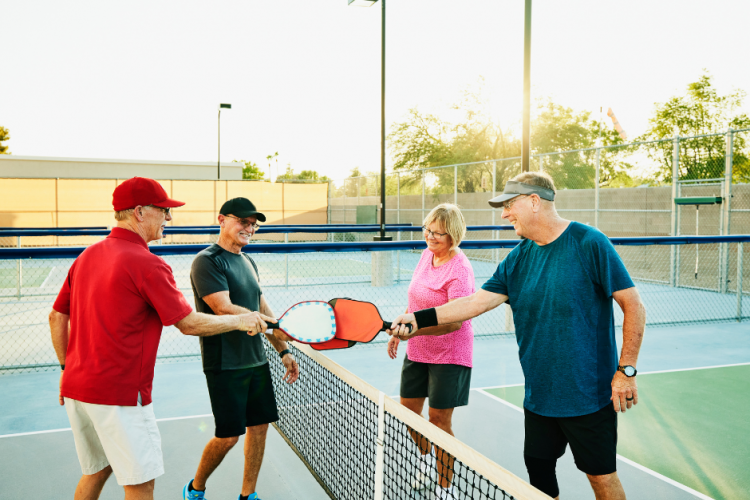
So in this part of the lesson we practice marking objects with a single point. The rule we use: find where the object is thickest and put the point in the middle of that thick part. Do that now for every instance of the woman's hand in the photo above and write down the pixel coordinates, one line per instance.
(393, 347)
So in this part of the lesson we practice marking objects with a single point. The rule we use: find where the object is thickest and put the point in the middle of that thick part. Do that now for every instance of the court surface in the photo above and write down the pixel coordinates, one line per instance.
(682, 450)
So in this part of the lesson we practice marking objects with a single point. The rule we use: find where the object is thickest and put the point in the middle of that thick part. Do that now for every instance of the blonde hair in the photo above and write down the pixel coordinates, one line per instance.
(536, 179)
(450, 217)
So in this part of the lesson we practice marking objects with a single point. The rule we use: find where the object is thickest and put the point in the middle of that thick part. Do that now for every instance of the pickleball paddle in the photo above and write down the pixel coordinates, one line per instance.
(309, 322)
(356, 321)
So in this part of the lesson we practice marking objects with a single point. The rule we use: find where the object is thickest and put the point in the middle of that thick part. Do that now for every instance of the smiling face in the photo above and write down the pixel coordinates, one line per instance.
(438, 245)
(518, 211)
(237, 231)
(155, 220)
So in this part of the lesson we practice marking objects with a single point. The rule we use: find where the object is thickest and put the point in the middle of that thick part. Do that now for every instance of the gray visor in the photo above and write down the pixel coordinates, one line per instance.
(515, 188)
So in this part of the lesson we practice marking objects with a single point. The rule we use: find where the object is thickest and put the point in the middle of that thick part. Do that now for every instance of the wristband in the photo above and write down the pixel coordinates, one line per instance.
(284, 353)
(62, 368)
(426, 318)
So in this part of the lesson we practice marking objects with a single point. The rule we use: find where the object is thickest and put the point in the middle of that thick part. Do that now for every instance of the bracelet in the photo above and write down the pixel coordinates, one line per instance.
(426, 317)
(284, 353)
(62, 367)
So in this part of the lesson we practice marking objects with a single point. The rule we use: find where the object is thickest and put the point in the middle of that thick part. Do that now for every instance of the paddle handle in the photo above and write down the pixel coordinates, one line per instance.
(273, 326)
(387, 326)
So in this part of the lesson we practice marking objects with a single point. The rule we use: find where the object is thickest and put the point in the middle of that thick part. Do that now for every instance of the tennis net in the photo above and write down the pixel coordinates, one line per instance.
(360, 444)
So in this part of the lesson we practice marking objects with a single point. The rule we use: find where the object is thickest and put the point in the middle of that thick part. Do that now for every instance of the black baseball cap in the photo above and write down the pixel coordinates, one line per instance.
(241, 207)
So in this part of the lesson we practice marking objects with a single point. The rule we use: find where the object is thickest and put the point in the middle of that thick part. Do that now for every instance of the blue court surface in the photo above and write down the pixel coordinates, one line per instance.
(38, 458)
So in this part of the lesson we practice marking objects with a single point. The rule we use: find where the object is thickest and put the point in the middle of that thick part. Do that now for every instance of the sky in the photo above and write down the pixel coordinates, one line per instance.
(143, 79)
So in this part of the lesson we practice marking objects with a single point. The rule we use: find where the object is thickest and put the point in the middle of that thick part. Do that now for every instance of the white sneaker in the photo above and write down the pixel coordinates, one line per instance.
(425, 474)
(445, 493)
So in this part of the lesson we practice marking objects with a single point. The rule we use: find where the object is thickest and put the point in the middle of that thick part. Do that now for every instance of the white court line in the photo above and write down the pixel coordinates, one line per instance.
(48, 277)
(496, 387)
(619, 457)
(169, 419)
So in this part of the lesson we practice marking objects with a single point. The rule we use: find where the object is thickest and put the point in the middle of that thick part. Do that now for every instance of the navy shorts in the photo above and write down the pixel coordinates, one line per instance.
(241, 398)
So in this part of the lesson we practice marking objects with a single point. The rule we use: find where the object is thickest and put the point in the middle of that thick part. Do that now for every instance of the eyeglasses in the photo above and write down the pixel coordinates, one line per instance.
(435, 235)
(509, 204)
(167, 211)
(245, 222)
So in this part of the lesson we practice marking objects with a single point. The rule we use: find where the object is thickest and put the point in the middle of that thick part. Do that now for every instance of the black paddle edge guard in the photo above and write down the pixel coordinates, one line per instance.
(362, 246)
(169, 230)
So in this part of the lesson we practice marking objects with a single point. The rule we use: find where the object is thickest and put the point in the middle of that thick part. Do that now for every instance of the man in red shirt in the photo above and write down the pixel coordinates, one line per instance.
(106, 324)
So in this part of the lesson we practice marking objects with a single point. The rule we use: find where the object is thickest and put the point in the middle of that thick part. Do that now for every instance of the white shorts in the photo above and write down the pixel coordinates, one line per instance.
(125, 437)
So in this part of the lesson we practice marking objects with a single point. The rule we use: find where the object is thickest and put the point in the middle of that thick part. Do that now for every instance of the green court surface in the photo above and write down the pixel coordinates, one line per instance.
(692, 426)
(33, 277)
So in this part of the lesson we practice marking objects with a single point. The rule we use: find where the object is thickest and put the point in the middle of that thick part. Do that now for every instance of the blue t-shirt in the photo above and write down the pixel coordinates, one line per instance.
(561, 297)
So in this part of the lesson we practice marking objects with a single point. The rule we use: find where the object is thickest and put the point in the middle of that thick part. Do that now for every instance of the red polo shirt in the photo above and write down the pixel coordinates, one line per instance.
(118, 295)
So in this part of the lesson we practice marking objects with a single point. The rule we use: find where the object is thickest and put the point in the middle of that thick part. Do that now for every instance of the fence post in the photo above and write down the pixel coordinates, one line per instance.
(726, 209)
(423, 181)
(739, 281)
(398, 198)
(455, 184)
(674, 260)
(495, 233)
(329, 201)
(596, 187)
(19, 270)
(286, 263)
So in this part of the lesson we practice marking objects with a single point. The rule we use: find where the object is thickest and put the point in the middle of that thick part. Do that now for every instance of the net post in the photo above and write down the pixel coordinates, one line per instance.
(739, 281)
(380, 448)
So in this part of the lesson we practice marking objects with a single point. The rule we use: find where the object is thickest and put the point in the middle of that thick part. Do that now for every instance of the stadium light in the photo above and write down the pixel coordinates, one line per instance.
(369, 3)
(218, 162)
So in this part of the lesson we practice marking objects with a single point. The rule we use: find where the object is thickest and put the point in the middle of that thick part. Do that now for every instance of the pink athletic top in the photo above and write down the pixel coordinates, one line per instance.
(434, 286)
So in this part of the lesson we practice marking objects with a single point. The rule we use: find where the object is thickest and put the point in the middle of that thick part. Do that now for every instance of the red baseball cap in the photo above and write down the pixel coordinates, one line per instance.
(142, 191)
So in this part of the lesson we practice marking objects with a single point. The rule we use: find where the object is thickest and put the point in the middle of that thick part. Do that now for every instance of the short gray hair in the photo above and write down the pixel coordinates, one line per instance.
(124, 214)
(450, 217)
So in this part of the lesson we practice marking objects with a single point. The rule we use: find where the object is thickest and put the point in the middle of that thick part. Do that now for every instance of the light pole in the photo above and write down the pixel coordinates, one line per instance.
(526, 119)
(369, 3)
(218, 162)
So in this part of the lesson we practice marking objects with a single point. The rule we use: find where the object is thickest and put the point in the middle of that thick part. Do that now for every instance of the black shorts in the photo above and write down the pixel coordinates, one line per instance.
(446, 386)
(241, 398)
(592, 438)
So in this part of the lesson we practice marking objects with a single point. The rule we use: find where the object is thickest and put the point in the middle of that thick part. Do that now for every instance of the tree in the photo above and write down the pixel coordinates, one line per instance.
(700, 111)
(303, 176)
(425, 140)
(4, 136)
(557, 128)
(251, 171)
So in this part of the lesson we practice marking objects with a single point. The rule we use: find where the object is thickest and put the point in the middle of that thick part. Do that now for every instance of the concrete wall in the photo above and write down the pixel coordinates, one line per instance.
(38, 167)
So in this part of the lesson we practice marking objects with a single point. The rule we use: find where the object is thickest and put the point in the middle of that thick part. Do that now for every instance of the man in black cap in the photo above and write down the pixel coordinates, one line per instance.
(226, 281)
(560, 282)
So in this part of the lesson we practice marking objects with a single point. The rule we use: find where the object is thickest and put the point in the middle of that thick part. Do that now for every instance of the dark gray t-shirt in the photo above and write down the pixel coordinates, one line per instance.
(217, 270)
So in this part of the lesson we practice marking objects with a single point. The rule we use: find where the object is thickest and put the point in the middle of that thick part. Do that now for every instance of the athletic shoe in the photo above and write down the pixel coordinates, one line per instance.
(445, 493)
(425, 473)
(188, 494)
(254, 496)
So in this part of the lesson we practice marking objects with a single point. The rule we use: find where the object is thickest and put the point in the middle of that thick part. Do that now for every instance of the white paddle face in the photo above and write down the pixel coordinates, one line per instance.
(310, 322)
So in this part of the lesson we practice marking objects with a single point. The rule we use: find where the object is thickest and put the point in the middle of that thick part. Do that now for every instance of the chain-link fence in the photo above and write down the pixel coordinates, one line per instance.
(624, 190)
(700, 283)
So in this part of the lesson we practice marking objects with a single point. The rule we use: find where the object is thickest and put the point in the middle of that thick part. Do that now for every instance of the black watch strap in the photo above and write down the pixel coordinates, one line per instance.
(284, 353)
(625, 371)
(62, 367)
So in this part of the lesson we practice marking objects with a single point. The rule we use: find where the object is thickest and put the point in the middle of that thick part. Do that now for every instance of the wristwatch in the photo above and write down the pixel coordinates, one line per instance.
(284, 353)
(628, 370)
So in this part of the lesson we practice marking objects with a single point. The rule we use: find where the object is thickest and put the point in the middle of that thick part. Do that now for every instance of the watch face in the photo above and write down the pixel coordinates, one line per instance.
(629, 370)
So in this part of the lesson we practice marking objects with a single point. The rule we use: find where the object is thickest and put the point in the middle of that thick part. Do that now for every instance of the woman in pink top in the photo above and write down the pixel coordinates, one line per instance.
(438, 363)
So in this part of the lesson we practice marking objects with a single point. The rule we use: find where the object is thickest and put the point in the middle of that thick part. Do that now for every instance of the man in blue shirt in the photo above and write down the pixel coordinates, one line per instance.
(560, 282)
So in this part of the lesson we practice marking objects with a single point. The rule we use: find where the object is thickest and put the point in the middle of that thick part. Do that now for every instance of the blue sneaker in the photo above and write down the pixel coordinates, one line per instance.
(254, 496)
(188, 494)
